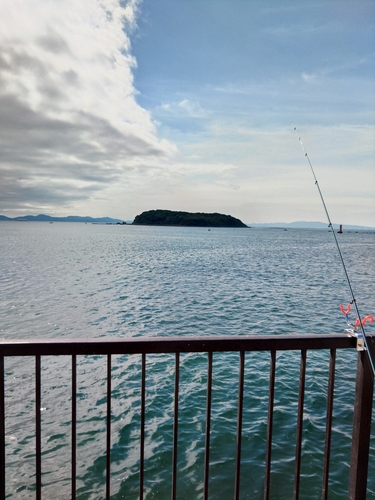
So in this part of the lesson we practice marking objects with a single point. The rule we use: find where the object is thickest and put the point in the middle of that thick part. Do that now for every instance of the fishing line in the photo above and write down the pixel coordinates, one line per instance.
(341, 257)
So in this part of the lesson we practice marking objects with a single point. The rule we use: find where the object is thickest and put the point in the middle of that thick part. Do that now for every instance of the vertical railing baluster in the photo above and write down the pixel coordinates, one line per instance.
(108, 454)
(74, 425)
(327, 447)
(239, 426)
(142, 441)
(38, 442)
(208, 427)
(271, 398)
(2, 430)
(175, 427)
(301, 398)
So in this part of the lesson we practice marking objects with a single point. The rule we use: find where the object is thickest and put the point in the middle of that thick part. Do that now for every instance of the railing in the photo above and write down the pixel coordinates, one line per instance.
(210, 345)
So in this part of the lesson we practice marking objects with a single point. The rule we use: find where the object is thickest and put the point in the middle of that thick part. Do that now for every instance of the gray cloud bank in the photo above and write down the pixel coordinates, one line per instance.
(69, 122)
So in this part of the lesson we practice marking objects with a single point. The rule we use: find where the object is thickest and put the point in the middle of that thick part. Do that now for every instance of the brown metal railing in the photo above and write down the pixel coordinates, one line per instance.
(241, 344)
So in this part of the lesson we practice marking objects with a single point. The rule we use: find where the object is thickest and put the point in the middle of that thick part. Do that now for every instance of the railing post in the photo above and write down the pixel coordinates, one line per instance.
(109, 413)
(175, 426)
(142, 439)
(361, 428)
(208, 427)
(2, 430)
(38, 428)
(74, 426)
(329, 415)
(271, 398)
(301, 399)
(239, 426)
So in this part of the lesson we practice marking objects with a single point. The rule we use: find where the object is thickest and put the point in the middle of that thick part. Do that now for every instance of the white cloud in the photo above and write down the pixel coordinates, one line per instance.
(193, 109)
(182, 109)
(309, 78)
(298, 30)
(69, 121)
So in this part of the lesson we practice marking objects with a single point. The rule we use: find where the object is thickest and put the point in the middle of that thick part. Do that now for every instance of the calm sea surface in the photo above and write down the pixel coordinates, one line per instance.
(89, 281)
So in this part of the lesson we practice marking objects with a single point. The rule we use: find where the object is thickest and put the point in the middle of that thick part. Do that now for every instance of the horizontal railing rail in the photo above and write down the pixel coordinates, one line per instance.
(210, 345)
(154, 345)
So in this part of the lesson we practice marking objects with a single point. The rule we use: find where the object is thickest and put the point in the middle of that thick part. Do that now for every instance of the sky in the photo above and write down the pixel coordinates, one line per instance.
(111, 108)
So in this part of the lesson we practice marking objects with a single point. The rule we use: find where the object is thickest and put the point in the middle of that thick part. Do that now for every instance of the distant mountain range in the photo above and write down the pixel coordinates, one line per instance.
(308, 225)
(109, 220)
(69, 218)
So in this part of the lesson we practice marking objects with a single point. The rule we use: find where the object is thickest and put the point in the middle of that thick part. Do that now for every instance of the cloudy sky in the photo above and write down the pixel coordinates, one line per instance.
(111, 108)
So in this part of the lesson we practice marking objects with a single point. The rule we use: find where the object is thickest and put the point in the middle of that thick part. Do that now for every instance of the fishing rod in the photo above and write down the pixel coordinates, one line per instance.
(359, 322)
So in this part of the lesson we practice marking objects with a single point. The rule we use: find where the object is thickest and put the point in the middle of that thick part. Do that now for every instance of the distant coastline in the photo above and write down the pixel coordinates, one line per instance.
(309, 225)
(255, 225)
(69, 218)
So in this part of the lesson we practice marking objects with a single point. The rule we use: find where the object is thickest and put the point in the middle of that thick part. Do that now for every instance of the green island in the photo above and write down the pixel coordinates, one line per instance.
(172, 218)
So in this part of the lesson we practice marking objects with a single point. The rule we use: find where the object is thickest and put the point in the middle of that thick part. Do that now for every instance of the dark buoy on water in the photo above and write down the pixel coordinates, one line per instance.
(340, 230)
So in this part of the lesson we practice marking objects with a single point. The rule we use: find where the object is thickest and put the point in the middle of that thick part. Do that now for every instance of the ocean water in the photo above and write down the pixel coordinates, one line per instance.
(89, 281)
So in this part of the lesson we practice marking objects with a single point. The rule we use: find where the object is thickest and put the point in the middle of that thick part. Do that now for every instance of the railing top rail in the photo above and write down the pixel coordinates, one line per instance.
(154, 345)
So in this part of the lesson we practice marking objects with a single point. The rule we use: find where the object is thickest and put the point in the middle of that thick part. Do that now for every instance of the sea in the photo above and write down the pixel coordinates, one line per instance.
(76, 280)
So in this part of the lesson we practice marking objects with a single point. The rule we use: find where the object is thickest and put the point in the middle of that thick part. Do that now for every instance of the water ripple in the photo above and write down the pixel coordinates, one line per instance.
(72, 280)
